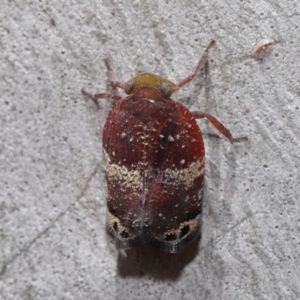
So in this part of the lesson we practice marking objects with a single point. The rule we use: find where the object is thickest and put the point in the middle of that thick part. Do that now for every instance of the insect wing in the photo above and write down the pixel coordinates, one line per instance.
(154, 157)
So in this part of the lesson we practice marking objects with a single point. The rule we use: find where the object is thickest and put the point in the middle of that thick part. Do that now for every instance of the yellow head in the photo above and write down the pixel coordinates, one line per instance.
(147, 80)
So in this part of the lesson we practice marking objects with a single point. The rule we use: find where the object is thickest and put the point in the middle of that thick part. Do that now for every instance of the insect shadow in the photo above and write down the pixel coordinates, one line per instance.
(146, 260)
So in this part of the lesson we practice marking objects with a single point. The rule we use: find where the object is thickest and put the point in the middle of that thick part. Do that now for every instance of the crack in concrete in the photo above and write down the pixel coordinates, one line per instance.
(49, 226)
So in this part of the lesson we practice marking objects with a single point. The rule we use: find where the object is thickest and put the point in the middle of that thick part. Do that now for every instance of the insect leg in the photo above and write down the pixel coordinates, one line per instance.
(96, 97)
(219, 126)
(111, 75)
(200, 64)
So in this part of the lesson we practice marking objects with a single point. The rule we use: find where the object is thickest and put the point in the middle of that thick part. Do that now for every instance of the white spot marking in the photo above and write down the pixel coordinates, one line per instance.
(185, 176)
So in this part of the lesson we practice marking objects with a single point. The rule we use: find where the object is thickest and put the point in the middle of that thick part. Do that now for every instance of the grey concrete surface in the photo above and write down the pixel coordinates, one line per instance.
(52, 209)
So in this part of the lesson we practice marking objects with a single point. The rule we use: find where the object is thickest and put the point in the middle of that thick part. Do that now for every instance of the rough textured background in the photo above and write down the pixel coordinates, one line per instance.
(53, 242)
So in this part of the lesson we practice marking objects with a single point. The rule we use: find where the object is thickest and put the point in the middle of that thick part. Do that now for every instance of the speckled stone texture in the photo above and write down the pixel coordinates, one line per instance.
(52, 196)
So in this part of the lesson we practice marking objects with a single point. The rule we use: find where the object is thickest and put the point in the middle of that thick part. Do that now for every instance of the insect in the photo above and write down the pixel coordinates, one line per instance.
(154, 163)
(262, 48)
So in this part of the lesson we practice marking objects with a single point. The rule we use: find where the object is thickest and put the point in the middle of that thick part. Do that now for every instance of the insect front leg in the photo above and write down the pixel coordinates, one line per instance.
(96, 97)
(112, 80)
(200, 64)
(111, 75)
(219, 126)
